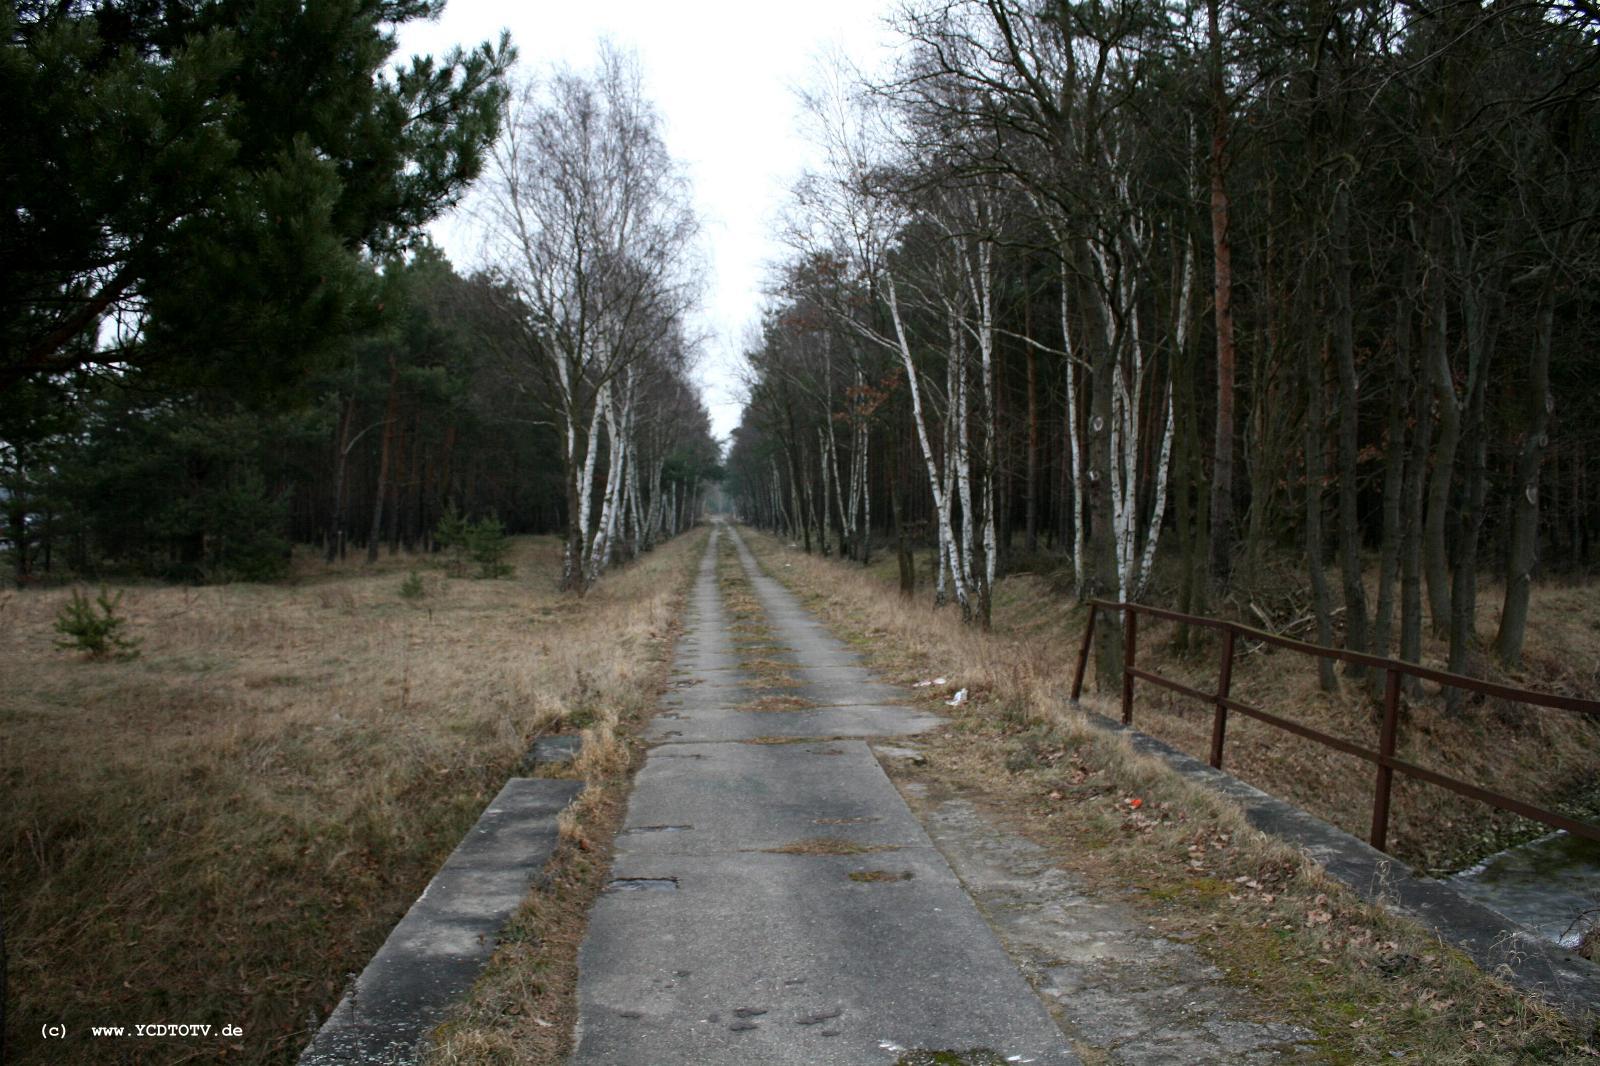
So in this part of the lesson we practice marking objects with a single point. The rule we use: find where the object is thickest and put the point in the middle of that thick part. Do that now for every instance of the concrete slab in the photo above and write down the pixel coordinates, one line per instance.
(549, 753)
(440, 946)
(785, 960)
(750, 797)
(694, 662)
(1122, 990)
(796, 669)
(843, 691)
(714, 724)
(742, 691)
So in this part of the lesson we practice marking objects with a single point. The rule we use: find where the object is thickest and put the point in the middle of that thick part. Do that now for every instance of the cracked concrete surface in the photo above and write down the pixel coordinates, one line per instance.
(1124, 993)
(818, 916)
(810, 919)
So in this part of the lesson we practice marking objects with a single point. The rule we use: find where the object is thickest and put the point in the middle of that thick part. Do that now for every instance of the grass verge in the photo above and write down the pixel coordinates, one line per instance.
(524, 1008)
(1550, 758)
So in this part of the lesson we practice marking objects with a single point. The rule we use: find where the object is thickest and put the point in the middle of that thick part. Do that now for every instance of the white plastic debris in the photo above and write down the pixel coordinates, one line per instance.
(934, 681)
(957, 700)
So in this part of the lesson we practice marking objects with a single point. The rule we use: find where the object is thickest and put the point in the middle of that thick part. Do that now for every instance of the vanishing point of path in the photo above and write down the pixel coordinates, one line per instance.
(777, 902)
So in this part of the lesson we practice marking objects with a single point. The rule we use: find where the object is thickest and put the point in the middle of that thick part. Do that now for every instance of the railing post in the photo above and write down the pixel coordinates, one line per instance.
(1219, 724)
(1380, 800)
(1130, 646)
(1083, 653)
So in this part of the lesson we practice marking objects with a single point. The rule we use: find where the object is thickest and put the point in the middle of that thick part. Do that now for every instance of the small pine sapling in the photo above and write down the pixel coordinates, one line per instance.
(483, 542)
(98, 633)
(412, 587)
(451, 535)
(487, 544)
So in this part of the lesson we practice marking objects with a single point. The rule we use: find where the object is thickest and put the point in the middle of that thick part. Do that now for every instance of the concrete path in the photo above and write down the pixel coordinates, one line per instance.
(777, 902)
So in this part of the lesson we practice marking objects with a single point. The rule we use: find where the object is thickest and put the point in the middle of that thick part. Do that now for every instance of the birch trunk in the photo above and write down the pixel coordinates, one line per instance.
(941, 501)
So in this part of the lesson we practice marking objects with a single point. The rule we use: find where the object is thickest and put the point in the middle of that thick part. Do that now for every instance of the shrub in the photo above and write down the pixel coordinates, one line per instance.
(487, 544)
(412, 588)
(451, 536)
(99, 633)
(483, 542)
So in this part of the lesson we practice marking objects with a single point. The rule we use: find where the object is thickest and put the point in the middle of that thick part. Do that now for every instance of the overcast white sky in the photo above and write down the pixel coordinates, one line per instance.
(721, 74)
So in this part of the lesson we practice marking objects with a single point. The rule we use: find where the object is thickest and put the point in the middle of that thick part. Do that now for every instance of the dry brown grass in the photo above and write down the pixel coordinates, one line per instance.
(1369, 984)
(827, 846)
(222, 829)
(1547, 757)
(754, 640)
(523, 1009)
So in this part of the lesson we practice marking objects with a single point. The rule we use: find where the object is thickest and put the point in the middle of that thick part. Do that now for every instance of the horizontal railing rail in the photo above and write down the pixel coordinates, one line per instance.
(1383, 756)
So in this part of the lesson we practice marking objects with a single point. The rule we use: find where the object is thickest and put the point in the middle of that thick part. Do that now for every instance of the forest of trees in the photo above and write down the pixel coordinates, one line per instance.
(223, 329)
(1206, 283)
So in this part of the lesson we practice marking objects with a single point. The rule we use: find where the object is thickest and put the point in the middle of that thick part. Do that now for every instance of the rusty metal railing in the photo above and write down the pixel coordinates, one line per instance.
(1383, 756)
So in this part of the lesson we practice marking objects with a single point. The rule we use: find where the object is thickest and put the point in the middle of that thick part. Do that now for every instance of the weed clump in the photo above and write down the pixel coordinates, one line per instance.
(1039, 747)
(97, 633)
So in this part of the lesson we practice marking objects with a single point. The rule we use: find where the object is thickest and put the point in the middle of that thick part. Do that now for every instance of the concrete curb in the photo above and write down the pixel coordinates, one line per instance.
(438, 949)
(1499, 945)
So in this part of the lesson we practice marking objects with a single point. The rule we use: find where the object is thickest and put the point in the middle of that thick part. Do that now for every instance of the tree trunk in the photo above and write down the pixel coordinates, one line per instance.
(941, 495)
(1395, 474)
(1411, 529)
(1435, 556)
(1322, 599)
(903, 554)
(17, 516)
(336, 530)
(1222, 261)
(1031, 541)
(1101, 535)
(390, 415)
(1481, 313)
(1523, 550)
(1355, 596)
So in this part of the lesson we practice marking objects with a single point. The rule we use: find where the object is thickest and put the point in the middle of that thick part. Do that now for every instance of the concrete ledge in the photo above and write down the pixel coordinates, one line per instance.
(1498, 945)
(440, 946)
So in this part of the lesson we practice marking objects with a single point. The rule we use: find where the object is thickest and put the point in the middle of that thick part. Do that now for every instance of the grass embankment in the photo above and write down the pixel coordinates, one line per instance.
(223, 828)
(1373, 987)
(1550, 758)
